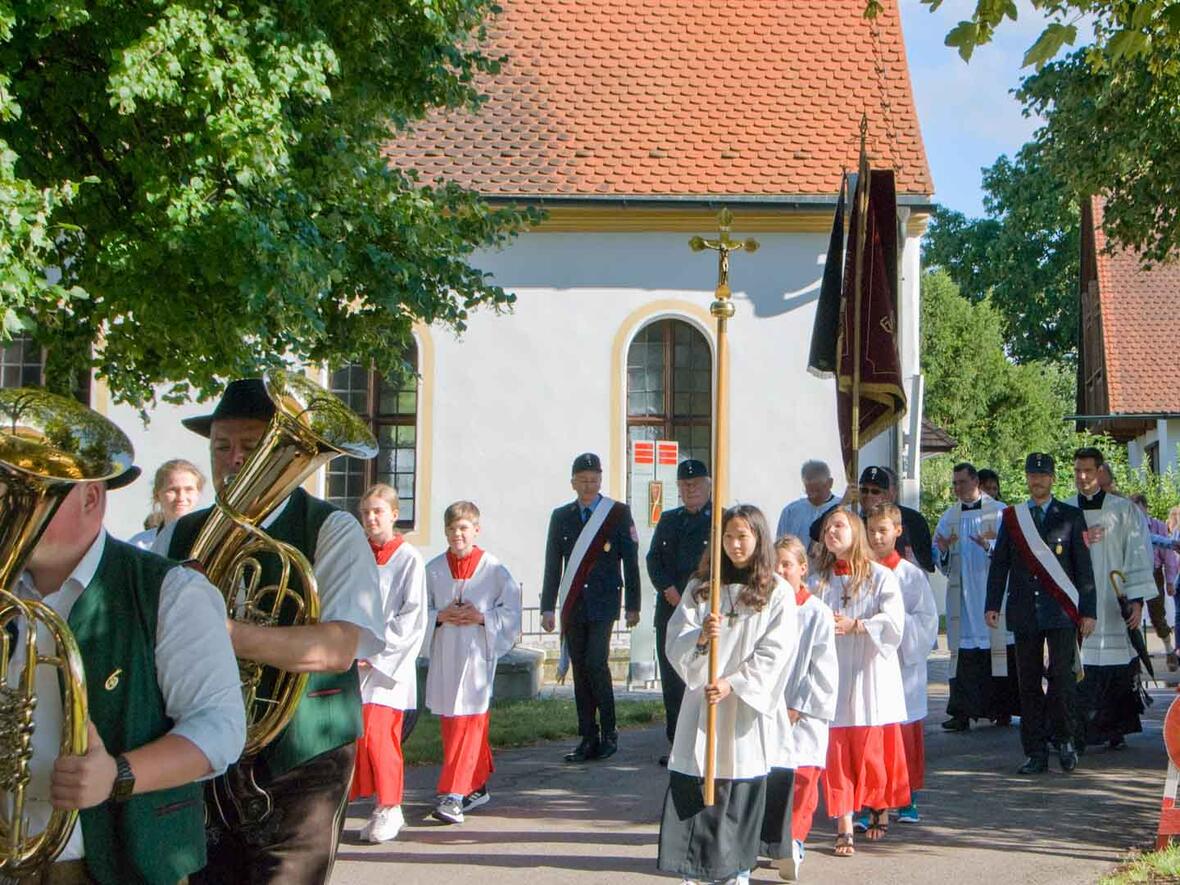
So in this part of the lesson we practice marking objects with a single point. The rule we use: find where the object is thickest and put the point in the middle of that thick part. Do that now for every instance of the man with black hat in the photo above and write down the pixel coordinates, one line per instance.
(590, 541)
(1040, 563)
(680, 539)
(165, 705)
(306, 770)
(877, 486)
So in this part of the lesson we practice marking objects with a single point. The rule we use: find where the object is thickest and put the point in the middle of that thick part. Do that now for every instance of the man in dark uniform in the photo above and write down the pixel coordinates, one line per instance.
(877, 486)
(681, 537)
(591, 555)
(1039, 612)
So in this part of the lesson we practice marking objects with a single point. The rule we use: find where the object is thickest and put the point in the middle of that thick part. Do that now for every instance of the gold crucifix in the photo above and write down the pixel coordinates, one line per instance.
(723, 245)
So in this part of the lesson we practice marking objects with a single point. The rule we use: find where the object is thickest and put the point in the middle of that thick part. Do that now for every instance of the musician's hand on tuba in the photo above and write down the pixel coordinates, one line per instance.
(84, 781)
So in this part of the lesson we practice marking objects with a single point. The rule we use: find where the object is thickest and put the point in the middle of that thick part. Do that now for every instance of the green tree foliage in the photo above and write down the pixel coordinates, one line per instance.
(997, 410)
(210, 183)
(1023, 257)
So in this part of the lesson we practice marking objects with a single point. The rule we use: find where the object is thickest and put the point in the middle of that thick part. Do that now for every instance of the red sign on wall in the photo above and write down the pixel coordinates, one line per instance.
(644, 451)
(669, 452)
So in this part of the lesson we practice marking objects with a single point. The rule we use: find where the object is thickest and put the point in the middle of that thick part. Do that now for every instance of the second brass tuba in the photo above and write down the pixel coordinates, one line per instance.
(310, 427)
(48, 444)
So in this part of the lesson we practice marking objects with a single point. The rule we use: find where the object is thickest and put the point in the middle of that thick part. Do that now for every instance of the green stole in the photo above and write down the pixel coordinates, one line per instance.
(329, 713)
(156, 837)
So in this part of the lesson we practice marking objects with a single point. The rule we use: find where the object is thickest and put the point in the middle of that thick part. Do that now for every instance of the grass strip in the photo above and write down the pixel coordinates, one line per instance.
(520, 723)
(1150, 868)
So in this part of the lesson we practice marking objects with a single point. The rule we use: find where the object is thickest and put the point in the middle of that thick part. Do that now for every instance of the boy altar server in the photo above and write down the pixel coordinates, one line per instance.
(389, 680)
(474, 610)
(917, 640)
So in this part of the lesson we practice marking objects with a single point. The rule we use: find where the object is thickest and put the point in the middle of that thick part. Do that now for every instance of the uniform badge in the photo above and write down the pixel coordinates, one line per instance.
(606, 547)
(113, 680)
(1059, 550)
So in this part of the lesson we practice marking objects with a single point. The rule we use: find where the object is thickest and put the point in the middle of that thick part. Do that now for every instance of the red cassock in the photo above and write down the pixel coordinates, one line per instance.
(914, 739)
(467, 755)
(866, 769)
(380, 766)
(805, 801)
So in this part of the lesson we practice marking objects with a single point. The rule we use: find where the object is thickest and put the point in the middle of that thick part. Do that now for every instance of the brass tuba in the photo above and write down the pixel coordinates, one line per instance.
(48, 444)
(310, 427)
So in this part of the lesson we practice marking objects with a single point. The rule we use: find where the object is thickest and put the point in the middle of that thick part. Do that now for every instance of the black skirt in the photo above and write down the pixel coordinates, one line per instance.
(1108, 703)
(711, 843)
(776, 819)
(976, 694)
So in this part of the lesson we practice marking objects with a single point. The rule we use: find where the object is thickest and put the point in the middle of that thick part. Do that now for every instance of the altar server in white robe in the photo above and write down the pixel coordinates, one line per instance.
(474, 612)
(807, 708)
(755, 636)
(866, 766)
(917, 641)
(389, 680)
(1108, 697)
(983, 660)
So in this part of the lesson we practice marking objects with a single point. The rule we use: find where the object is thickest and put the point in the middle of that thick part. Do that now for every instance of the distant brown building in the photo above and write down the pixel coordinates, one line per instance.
(1129, 353)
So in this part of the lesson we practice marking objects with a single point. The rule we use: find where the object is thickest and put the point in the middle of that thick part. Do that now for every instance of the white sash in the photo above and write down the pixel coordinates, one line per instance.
(597, 517)
(1039, 549)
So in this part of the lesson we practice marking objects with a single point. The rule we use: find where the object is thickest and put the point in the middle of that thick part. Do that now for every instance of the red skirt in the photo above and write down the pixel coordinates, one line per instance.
(467, 755)
(866, 769)
(914, 739)
(805, 801)
(380, 766)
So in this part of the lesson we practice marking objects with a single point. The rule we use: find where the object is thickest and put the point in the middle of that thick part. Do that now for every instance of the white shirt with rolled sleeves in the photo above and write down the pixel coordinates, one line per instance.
(918, 638)
(811, 689)
(753, 654)
(195, 669)
(345, 572)
(463, 658)
(797, 517)
(391, 679)
(870, 686)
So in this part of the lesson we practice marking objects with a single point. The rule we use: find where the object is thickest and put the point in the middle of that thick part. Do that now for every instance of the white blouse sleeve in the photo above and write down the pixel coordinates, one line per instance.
(684, 629)
(817, 691)
(921, 621)
(885, 628)
(758, 681)
(406, 625)
(502, 621)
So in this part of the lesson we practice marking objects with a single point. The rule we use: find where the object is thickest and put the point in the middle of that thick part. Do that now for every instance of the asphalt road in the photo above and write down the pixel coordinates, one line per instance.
(549, 822)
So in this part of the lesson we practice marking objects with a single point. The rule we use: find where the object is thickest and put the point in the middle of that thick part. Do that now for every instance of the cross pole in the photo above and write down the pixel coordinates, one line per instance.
(722, 310)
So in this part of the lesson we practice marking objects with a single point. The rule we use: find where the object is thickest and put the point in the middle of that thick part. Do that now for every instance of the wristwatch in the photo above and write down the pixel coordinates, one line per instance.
(124, 784)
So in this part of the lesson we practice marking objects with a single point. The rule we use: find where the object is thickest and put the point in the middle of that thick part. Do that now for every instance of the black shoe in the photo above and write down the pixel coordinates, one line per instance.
(609, 745)
(664, 761)
(1034, 765)
(957, 723)
(586, 750)
(1117, 743)
(1067, 756)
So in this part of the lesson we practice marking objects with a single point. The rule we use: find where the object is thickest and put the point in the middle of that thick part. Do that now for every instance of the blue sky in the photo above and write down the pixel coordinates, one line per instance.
(968, 116)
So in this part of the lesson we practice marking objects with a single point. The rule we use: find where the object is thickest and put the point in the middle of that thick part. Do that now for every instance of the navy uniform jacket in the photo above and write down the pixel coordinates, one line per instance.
(676, 547)
(1030, 608)
(602, 591)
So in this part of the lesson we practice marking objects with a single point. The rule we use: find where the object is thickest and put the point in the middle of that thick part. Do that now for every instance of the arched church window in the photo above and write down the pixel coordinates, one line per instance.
(390, 406)
(670, 387)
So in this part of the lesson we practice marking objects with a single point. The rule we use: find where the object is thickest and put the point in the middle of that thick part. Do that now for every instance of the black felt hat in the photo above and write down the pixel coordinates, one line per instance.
(245, 398)
(586, 461)
(1040, 462)
(691, 468)
(877, 476)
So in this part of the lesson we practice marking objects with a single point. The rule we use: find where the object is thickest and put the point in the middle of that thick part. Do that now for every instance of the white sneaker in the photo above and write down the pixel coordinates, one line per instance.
(386, 823)
(788, 867)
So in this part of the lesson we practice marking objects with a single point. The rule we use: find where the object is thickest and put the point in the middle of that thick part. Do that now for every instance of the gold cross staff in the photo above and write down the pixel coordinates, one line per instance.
(722, 310)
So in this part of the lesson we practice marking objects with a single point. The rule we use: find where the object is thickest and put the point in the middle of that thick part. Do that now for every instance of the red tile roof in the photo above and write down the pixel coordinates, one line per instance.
(1140, 312)
(679, 97)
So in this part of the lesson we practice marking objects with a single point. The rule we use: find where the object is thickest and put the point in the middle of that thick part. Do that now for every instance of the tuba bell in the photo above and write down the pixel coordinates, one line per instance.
(310, 427)
(48, 444)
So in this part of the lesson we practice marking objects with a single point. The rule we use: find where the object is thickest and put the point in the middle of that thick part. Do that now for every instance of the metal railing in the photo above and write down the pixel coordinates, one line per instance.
(531, 633)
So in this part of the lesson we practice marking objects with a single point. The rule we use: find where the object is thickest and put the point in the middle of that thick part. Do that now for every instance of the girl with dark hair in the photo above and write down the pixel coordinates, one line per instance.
(756, 633)
(866, 754)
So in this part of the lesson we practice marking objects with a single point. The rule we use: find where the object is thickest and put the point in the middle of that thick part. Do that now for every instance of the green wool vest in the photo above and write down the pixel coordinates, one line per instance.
(156, 837)
(329, 713)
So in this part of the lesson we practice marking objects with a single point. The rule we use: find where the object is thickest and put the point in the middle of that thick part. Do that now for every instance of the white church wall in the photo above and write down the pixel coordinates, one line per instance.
(521, 393)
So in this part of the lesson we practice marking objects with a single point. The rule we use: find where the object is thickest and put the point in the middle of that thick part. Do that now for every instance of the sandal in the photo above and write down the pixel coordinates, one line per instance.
(844, 846)
(878, 825)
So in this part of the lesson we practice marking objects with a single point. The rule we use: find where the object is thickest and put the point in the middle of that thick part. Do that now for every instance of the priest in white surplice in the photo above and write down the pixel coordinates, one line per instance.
(983, 665)
(1108, 697)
